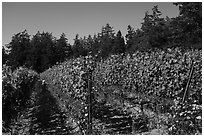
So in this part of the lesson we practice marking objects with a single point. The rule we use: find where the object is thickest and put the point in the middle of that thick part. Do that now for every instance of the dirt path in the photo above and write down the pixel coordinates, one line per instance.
(115, 121)
(118, 116)
(41, 116)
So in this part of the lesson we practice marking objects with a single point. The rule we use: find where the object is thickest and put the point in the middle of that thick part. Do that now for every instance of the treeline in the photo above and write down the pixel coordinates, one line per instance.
(44, 50)
(38, 53)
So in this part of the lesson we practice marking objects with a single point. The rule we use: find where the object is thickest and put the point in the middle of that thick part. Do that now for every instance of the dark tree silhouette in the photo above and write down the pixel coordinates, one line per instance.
(42, 51)
(119, 44)
(190, 20)
(18, 49)
(62, 49)
(106, 40)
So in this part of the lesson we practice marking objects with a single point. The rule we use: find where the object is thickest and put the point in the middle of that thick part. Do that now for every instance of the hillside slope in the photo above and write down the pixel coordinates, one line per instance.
(156, 81)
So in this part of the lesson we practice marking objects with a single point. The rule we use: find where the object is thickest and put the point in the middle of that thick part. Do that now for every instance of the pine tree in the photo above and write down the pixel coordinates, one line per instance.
(96, 45)
(130, 37)
(119, 44)
(190, 20)
(89, 44)
(18, 48)
(154, 28)
(78, 49)
(107, 36)
(42, 52)
(62, 49)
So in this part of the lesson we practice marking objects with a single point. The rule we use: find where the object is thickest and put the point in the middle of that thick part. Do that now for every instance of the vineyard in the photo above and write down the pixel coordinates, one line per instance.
(142, 93)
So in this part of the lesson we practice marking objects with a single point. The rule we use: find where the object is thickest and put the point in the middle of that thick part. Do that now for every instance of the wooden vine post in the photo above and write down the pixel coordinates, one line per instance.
(186, 93)
(91, 63)
(90, 102)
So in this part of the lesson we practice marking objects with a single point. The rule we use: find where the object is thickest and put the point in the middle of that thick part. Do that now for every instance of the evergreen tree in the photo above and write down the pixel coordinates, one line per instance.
(140, 42)
(147, 24)
(88, 44)
(107, 37)
(130, 37)
(96, 45)
(18, 49)
(62, 49)
(78, 49)
(155, 29)
(190, 20)
(42, 52)
(176, 37)
(119, 44)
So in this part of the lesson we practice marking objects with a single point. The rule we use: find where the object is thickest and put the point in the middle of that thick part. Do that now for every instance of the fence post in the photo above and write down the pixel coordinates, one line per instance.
(188, 83)
(89, 88)
(89, 103)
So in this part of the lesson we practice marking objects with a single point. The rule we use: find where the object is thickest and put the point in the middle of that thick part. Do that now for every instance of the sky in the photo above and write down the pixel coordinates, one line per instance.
(75, 18)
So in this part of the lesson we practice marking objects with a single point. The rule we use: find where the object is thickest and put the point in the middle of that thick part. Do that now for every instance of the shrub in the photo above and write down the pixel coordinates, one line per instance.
(16, 89)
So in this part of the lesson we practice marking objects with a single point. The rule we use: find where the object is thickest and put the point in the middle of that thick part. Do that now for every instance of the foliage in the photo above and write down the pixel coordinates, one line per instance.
(136, 41)
(155, 28)
(4, 55)
(42, 51)
(39, 53)
(16, 90)
(68, 82)
(18, 49)
(119, 44)
(129, 37)
(78, 48)
(26, 105)
(62, 50)
(159, 76)
(191, 18)
(107, 36)
(187, 119)
(102, 45)
(186, 29)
